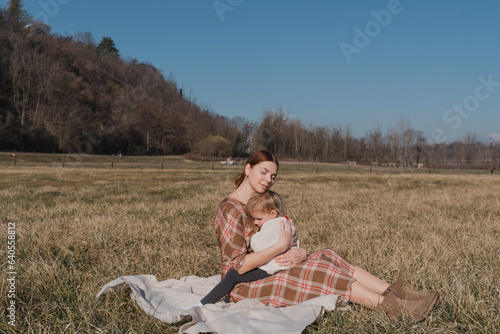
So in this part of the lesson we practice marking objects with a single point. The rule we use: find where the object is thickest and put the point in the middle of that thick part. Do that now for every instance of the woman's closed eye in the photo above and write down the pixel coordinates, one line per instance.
(265, 172)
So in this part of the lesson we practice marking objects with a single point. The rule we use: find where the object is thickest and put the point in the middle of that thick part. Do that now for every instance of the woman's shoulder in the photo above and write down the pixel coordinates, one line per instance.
(231, 212)
(230, 204)
(231, 201)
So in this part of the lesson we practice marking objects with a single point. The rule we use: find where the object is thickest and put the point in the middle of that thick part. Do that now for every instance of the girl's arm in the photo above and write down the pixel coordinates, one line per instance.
(254, 260)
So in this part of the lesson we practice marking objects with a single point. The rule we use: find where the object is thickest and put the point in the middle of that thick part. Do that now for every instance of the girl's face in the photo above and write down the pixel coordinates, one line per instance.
(261, 176)
(260, 217)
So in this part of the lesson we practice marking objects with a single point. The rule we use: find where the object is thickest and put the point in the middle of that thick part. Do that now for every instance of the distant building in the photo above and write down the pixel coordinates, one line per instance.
(228, 161)
(494, 144)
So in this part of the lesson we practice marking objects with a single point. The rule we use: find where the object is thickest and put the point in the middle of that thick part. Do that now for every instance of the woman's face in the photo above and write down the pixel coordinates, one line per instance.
(261, 176)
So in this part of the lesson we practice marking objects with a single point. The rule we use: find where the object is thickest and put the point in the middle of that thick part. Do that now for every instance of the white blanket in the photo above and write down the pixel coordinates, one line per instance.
(164, 301)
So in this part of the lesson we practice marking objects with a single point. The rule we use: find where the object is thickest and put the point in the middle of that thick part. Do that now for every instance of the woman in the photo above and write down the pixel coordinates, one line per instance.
(322, 272)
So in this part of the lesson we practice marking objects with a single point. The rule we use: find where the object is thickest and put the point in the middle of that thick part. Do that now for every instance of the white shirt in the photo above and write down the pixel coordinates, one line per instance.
(268, 236)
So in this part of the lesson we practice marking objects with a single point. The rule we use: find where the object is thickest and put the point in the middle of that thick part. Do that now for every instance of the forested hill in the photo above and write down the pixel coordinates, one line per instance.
(69, 94)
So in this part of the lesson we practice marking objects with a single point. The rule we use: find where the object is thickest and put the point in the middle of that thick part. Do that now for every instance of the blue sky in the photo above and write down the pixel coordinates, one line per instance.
(362, 63)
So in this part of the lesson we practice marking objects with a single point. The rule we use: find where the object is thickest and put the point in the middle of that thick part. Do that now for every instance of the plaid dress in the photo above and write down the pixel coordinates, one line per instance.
(323, 272)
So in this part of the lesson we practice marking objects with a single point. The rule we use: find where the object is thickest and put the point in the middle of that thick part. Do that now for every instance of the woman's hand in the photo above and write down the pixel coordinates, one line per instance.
(291, 257)
(287, 239)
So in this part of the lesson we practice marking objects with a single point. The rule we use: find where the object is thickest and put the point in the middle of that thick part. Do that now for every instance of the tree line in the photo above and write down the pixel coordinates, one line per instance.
(400, 145)
(70, 94)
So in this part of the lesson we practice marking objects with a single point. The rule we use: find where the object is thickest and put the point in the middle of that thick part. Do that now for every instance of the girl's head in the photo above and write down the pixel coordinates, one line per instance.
(265, 206)
(261, 169)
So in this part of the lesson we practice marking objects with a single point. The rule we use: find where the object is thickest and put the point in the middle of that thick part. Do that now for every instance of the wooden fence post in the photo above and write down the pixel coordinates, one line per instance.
(15, 158)
(112, 160)
(64, 159)
(162, 162)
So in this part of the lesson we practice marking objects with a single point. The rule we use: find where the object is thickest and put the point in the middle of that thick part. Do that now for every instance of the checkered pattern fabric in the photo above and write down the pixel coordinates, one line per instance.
(323, 272)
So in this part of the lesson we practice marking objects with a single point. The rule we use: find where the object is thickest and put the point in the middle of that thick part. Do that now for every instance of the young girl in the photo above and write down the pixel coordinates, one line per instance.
(268, 213)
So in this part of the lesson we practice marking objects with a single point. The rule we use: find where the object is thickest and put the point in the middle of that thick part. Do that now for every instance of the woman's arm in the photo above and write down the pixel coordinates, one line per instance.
(254, 260)
(292, 257)
(232, 234)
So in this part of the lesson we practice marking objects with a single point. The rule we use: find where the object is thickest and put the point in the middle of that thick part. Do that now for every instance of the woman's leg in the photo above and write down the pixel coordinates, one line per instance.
(364, 296)
(370, 281)
(368, 289)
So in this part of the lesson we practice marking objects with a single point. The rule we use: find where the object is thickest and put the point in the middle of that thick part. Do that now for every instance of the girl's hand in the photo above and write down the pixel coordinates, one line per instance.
(295, 238)
(291, 257)
(287, 239)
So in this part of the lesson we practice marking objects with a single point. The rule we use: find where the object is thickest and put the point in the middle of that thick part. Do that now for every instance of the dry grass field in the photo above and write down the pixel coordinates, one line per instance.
(80, 227)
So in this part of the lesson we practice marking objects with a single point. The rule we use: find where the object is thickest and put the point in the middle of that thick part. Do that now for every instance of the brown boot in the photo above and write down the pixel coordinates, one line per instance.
(414, 310)
(404, 293)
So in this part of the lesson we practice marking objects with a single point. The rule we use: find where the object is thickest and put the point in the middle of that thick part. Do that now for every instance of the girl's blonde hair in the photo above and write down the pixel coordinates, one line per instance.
(266, 202)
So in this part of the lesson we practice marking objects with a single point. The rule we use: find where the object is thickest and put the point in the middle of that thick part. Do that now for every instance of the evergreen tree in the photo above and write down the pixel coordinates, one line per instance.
(2, 17)
(17, 16)
(107, 47)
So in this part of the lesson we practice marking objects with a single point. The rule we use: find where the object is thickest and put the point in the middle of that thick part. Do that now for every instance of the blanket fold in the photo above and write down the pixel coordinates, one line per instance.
(164, 301)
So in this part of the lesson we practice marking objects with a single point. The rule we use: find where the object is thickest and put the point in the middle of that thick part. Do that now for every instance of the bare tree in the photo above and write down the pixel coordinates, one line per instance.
(407, 133)
(375, 143)
(469, 148)
(346, 138)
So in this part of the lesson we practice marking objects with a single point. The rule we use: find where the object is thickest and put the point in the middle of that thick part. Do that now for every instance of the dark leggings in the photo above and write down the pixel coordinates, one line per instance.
(229, 281)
